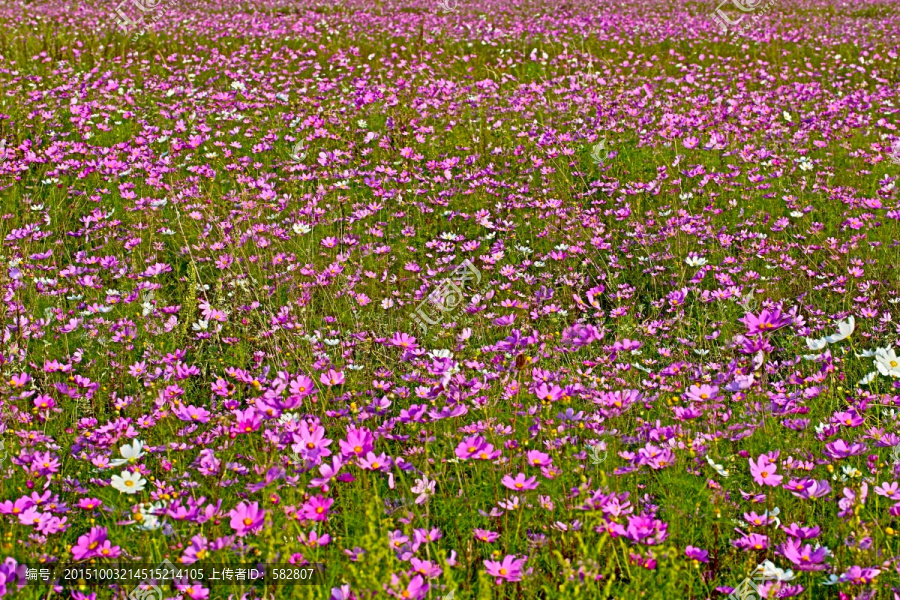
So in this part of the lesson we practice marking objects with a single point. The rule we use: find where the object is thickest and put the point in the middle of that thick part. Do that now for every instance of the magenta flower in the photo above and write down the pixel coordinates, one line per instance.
(332, 378)
(90, 544)
(11, 572)
(416, 589)
(476, 447)
(310, 442)
(859, 576)
(697, 554)
(371, 462)
(645, 529)
(520, 483)
(768, 320)
(839, 449)
(804, 558)
(193, 414)
(702, 393)
(808, 488)
(754, 541)
(536, 458)
(402, 340)
(314, 540)
(302, 386)
(763, 471)
(486, 536)
(508, 570)
(247, 518)
(316, 508)
(359, 442)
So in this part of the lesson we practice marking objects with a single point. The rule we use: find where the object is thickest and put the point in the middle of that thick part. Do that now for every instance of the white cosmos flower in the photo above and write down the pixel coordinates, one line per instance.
(887, 363)
(128, 483)
(816, 344)
(149, 521)
(845, 330)
(425, 488)
(695, 261)
(130, 454)
(768, 570)
(301, 228)
(868, 378)
(718, 468)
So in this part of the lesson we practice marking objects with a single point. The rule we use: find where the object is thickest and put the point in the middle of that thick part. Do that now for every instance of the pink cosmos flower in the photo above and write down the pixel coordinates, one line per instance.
(332, 378)
(193, 414)
(358, 442)
(536, 458)
(763, 471)
(302, 386)
(371, 462)
(508, 570)
(860, 576)
(754, 541)
(314, 540)
(402, 340)
(486, 536)
(247, 518)
(804, 558)
(416, 589)
(89, 503)
(520, 483)
(89, 544)
(767, 321)
(312, 443)
(476, 447)
(316, 508)
(702, 393)
(328, 472)
(697, 554)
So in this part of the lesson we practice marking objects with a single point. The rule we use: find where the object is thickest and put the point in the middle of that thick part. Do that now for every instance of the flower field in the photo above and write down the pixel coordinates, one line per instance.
(461, 299)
